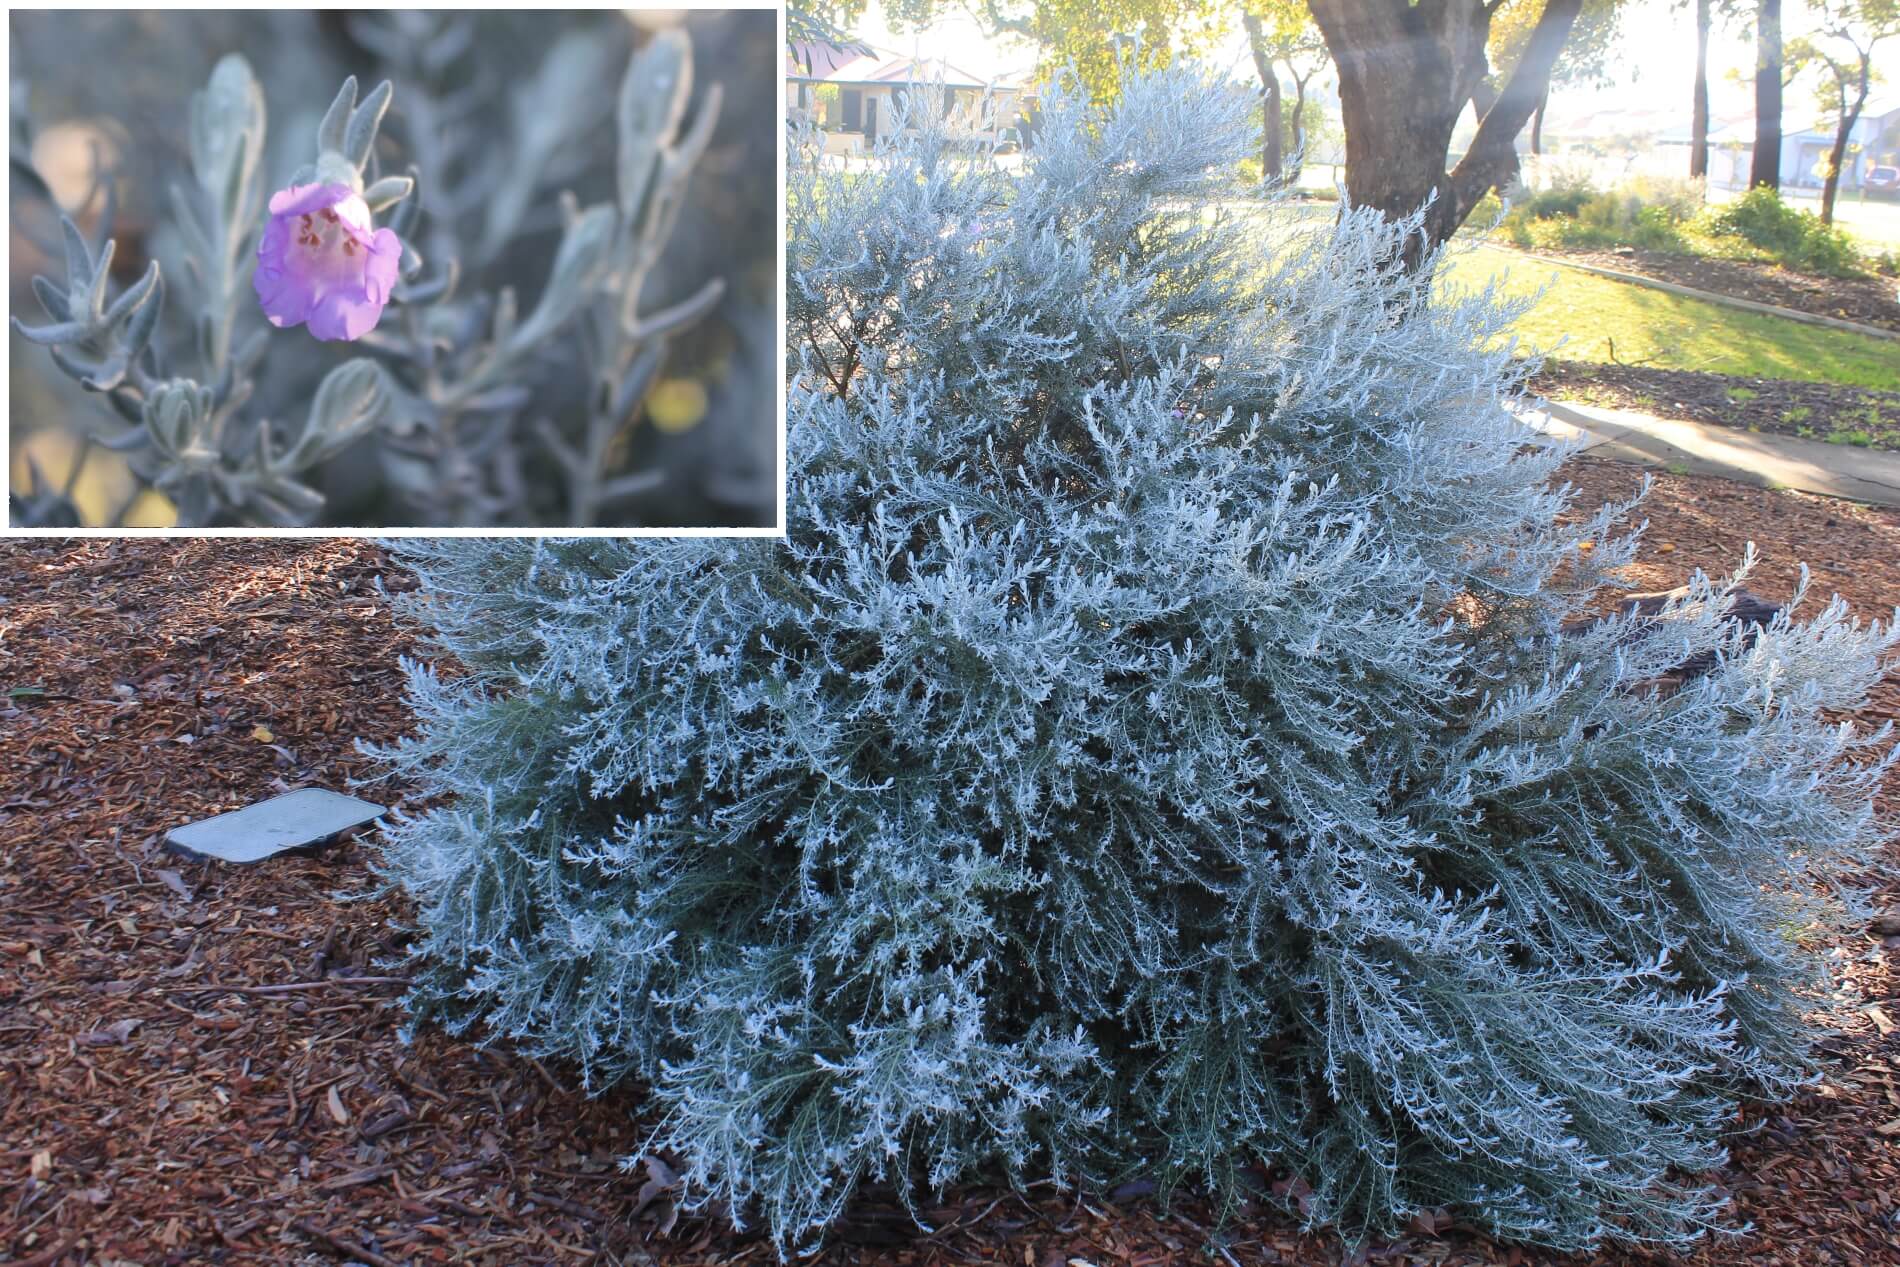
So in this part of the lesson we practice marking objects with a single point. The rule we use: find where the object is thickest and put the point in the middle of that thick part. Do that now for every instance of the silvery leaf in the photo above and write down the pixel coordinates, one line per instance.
(439, 287)
(52, 299)
(96, 293)
(348, 401)
(336, 120)
(227, 134)
(346, 404)
(134, 297)
(554, 109)
(251, 352)
(633, 388)
(410, 207)
(190, 224)
(387, 192)
(505, 313)
(676, 167)
(125, 441)
(682, 314)
(60, 332)
(24, 172)
(583, 247)
(78, 254)
(360, 137)
(653, 96)
(177, 413)
(334, 168)
(84, 371)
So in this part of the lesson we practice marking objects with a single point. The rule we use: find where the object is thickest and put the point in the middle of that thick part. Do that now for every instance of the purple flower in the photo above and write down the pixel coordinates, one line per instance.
(321, 264)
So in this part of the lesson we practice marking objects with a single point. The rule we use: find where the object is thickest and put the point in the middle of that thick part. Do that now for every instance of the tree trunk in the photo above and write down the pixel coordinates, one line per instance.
(1272, 150)
(1699, 116)
(1842, 132)
(1296, 161)
(1766, 168)
(1272, 157)
(1405, 73)
(1537, 124)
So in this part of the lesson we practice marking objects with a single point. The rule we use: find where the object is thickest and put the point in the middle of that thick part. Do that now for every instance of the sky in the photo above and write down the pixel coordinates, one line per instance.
(1654, 69)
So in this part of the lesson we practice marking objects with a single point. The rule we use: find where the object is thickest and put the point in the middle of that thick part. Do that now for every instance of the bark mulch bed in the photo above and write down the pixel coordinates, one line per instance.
(1812, 411)
(202, 1063)
(1871, 301)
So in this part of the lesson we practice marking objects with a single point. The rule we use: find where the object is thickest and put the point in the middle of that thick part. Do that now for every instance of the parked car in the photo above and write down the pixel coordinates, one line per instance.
(1882, 181)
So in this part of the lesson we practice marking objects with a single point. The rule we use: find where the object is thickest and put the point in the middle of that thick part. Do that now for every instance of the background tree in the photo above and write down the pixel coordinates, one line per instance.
(1765, 169)
(1306, 118)
(1586, 54)
(1699, 102)
(1406, 71)
(1282, 33)
(1706, 13)
(1846, 73)
(1091, 35)
(826, 22)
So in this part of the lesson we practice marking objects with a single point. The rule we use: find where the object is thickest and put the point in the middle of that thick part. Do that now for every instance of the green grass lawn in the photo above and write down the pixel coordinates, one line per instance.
(1584, 313)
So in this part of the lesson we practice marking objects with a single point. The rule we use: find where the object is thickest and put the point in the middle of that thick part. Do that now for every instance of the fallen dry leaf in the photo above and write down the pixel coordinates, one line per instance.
(113, 1035)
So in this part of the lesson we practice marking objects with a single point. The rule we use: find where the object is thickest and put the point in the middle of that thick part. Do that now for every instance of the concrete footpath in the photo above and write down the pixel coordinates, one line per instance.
(1751, 457)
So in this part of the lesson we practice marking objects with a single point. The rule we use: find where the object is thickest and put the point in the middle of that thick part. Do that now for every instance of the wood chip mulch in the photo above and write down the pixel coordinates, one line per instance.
(202, 1063)
(1812, 411)
(1868, 300)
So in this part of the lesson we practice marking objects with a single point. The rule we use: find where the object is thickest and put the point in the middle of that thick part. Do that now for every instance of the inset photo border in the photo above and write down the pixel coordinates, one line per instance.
(423, 272)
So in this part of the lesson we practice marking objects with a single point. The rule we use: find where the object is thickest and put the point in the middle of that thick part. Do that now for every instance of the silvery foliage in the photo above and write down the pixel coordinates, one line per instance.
(458, 383)
(1152, 752)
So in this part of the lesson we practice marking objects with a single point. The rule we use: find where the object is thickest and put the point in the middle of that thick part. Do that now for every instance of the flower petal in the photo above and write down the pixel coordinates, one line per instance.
(301, 200)
(385, 260)
(344, 314)
(285, 292)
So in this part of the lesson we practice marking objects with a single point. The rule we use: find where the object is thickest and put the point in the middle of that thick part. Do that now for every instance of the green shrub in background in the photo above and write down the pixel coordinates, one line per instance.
(1790, 236)
(1578, 217)
(1654, 214)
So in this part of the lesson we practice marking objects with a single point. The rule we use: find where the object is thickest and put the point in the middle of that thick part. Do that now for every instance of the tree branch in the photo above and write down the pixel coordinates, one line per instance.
(1492, 158)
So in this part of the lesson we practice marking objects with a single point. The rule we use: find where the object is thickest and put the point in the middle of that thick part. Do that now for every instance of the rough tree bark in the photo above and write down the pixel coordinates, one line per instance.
(1406, 70)
(1699, 116)
(1766, 167)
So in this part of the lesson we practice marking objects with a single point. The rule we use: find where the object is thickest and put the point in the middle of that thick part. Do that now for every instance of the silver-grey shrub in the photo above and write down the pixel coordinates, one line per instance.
(1152, 752)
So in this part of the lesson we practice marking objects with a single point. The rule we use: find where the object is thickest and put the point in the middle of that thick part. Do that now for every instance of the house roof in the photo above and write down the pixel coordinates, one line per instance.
(1741, 130)
(890, 68)
(822, 58)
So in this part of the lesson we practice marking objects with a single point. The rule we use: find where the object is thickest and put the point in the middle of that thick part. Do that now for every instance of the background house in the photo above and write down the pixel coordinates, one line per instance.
(1874, 141)
(854, 96)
